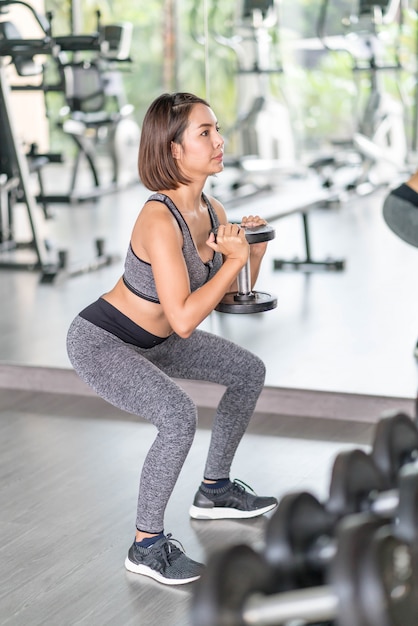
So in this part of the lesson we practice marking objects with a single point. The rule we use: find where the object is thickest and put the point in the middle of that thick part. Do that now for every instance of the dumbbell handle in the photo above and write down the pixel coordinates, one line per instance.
(311, 605)
(385, 503)
(253, 235)
(244, 280)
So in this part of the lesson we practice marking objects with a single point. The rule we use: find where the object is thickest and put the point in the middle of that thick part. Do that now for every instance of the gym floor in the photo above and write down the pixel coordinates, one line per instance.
(69, 463)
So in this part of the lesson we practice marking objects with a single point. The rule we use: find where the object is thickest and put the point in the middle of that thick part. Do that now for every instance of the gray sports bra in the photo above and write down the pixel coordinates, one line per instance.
(138, 276)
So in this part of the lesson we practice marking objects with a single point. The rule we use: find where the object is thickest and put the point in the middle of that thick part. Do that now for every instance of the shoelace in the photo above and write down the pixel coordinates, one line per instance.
(240, 485)
(164, 553)
(168, 551)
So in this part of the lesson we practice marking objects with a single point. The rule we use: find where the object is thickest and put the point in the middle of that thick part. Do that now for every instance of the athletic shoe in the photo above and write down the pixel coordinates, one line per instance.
(164, 562)
(232, 501)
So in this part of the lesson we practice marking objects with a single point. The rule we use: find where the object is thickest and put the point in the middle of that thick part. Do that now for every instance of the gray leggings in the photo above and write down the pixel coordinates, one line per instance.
(139, 381)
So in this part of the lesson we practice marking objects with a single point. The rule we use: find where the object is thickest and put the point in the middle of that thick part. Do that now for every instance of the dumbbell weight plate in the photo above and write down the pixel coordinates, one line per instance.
(345, 574)
(407, 513)
(259, 234)
(299, 524)
(391, 598)
(256, 302)
(374, 575)
(229, 579)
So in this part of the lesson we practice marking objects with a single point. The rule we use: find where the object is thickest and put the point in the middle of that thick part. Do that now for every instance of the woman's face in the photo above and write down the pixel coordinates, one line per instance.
(201, 152)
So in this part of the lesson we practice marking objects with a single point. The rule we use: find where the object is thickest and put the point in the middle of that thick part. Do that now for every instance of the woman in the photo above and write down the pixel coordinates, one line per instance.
(131, 343)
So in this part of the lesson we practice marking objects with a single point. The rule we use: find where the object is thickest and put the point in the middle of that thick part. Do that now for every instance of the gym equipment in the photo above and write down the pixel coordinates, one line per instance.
(14, 167)
(96, 114)
(372, 580)
(266, 147)
(300, 535)
(245, 300)
(395, 446)
(262, 133)
(289, 203)
(358, 484)
(380, 139)
(15, 172)
(308, 263)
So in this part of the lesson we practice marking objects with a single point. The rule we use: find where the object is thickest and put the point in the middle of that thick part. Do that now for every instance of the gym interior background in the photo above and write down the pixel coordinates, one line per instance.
(318, 104)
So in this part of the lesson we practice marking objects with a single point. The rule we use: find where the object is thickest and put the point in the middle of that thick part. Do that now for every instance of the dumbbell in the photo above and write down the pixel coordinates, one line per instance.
(395, 445)
(245, 300)
(357, 484)
(372, 581)
(300, 535)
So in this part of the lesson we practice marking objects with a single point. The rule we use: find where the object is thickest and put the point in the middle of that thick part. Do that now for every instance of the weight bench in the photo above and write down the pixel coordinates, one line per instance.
(286, 201)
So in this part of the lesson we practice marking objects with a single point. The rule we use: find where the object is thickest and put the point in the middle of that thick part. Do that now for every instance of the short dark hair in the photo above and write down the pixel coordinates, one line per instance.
(164, 122)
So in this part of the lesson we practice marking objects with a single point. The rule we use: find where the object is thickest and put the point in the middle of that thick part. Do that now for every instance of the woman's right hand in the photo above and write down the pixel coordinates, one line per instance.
(231, 242)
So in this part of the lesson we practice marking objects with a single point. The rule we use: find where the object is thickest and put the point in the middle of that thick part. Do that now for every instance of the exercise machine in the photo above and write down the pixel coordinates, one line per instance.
(264, 157)
(380, 138)
(16, 168)
(261, 138)
(95, 114)
(15, 183)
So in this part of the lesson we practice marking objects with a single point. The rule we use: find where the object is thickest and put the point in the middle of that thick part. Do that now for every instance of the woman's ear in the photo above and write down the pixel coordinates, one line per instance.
(175, 150)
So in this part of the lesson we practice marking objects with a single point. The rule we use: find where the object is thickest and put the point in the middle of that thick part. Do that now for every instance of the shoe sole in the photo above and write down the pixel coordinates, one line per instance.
(219, 512)
(144, 570)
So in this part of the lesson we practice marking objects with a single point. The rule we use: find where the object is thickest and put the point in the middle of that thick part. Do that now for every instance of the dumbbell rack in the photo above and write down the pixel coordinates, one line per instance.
(350, 561)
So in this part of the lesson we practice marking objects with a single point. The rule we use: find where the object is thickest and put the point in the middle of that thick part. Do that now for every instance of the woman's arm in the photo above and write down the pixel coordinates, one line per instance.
(159, 238)
(257, 250)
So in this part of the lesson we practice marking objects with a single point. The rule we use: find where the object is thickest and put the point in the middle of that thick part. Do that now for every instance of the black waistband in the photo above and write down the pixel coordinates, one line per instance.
(103, 314)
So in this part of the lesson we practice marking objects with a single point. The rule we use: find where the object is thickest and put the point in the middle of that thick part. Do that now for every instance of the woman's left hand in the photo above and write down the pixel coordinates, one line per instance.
(254, 221)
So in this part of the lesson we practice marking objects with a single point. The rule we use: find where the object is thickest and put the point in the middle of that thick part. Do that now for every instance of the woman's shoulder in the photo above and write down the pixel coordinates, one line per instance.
(155, 213)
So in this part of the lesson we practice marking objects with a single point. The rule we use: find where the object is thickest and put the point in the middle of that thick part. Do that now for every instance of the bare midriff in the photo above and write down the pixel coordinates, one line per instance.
(149, 315)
